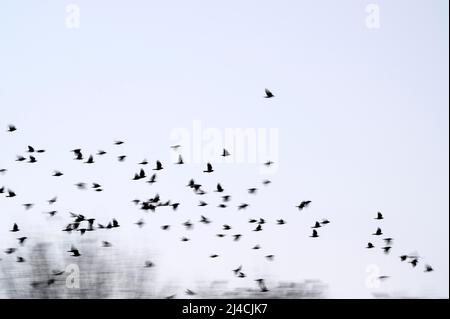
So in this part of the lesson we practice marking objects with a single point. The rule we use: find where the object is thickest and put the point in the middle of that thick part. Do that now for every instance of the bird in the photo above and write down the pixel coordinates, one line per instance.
(204, 220)
(144, 162)
(57, 174)
(237, 237)
(226, 227)
(242, 206)
(152, 179)
(140, 223)
(237, 270)
(225, 153)
(202, 203)
(118, 142)
(268, 94)
(53, 200)
(149, 264)
(266, 182)
(252, 190)
(189, 292)
(122, 158)
(379, 216)
(11, 128)
(317, 225)
(219, 188)
(180, 160)
(20, 259)
(370, 245)
(209, 168)
(428, 268)
(314, 234)
(32, 159)
(262, 285)
(158, 166)
(270, 257)
(15, 228)
(22, 240)
(258, 228)
(75, 252)
(11, 194)
(325, 221)
(414, 262)
(378, 232)
(304, 204)
(106, 244)
(280, 222)
(386, 249)
(388, 241)
(28, 206)
(90, 160)
(214, 256)
(403, 257)
(81, 185)
(175, 147)
(268, 163)
(101, 152)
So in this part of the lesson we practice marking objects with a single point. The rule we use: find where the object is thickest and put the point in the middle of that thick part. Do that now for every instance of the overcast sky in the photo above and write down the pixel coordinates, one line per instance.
(360, 115)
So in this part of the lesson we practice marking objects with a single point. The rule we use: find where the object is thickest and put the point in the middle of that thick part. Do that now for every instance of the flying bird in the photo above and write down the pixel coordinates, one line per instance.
(268, 94)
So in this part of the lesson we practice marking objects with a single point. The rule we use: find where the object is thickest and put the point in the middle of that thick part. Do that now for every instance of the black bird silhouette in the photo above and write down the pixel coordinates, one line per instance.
(165, 227)
(118, 142)
(20, 158)
(204, 220)
(158, 166)
(304, 204)
(262, 285)
(242, 206)
(314, 234)
(106, 244)
(57, 174)
(378, 232)
(388, 241)
(101, 152)
(386, 249)
(325, 221)
(10, 251)
(252, 190)
(379, 216)
(317, 225)
(237, 270)
(140, 223)
(122, 158)
(20, 259)
(52, 201)
(270, 257)
(148, 264)
(225, 153)
(414, 262)
(15, 228)
(219, 188)
(256, 247)
(266, 182)
(180, 160)
(214, 256)
(28, 206)
(403, 257)
(90, 160)
(32, 160)
(75, 252)
(11, 194)
(209, 168)
(258, 228)
(370, 245)
(202, 203)
(189, 292)
(237, 237)
(268, 94)
(81, 185)
(22, 240)
(152, 179)
(144, 162)
(11, 128)
(226, 227)
(280, 222)
(428, 268)
(3, 171)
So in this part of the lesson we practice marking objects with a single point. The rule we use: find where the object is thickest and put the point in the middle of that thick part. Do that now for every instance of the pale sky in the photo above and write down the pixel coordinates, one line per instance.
(362, 117)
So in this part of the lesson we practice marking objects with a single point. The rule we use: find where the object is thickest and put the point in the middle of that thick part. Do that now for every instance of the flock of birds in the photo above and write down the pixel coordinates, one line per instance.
(82, 224)
(413, 259)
